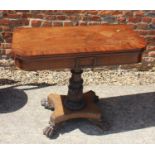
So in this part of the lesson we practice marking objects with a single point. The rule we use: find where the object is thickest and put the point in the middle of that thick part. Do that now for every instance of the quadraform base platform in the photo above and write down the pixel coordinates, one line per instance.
(61, 114)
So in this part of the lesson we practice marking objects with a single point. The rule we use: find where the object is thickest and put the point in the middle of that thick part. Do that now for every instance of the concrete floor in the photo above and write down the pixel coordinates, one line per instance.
(130, 111)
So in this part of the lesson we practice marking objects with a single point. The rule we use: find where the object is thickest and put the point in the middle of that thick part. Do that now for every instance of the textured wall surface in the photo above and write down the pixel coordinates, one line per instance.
(141, 21)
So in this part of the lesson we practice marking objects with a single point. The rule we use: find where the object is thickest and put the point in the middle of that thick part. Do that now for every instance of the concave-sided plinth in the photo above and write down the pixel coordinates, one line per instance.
(73, 105)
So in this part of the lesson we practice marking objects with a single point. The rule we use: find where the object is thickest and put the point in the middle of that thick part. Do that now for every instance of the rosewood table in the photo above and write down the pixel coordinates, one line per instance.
(75, 48)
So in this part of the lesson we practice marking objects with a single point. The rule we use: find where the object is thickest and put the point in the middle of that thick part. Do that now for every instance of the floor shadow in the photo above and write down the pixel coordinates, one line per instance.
(123, 113)
(12, 99)
(130, 112)
(7, 82)
(37, 85)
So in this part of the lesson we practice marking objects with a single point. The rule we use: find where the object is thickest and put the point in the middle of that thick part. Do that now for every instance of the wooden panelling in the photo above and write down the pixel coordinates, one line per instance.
(82, 62)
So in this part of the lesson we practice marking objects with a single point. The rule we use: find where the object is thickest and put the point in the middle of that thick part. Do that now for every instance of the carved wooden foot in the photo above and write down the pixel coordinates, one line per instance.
(95, 97)
(49, 131)
(61, 114)
(47, 105)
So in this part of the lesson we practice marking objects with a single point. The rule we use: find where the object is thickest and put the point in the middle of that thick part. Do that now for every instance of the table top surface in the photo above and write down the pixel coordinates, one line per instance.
(45, 41)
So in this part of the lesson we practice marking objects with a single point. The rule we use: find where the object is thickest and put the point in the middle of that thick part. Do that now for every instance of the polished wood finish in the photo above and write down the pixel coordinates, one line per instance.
(75, 48)
(81, 40)
(83, 46)
(61, 113)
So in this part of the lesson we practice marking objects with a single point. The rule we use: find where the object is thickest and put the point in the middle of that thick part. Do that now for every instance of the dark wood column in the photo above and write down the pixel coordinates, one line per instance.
(74, 100)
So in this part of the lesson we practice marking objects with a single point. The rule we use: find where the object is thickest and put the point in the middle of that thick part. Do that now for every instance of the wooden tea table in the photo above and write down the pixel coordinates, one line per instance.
(75, 48)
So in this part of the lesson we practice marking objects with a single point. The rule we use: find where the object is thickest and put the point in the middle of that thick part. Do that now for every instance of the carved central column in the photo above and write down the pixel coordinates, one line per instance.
(74, 100)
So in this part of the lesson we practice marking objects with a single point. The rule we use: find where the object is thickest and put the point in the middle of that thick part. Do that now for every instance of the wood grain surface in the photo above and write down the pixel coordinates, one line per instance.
(45, 41)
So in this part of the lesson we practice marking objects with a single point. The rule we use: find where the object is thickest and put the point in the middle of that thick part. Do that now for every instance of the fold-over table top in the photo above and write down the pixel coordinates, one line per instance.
(51, 41)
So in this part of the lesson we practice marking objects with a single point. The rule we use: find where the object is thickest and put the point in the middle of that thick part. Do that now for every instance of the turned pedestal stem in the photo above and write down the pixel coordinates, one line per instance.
(74, 100)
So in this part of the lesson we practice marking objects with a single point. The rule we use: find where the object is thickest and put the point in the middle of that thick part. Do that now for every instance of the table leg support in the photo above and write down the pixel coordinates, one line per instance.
(75, 104)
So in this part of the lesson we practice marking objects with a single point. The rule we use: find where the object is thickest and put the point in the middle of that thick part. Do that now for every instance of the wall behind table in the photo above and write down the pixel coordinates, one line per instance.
(141, 21)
